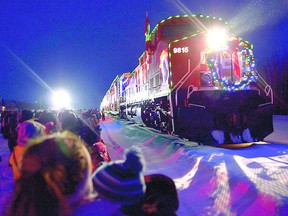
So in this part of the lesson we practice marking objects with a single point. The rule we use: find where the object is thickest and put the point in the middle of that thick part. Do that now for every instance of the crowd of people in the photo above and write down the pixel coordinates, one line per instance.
(59, 162)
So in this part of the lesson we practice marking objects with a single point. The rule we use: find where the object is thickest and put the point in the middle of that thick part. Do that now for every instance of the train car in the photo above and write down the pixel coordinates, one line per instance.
(198, 81)
(110, 101)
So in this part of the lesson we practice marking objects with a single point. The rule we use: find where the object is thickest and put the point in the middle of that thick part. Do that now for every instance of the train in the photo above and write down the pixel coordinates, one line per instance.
(195, 80)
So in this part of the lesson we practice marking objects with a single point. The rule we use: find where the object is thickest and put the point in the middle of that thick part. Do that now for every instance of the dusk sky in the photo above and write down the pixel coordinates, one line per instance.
(81, 46)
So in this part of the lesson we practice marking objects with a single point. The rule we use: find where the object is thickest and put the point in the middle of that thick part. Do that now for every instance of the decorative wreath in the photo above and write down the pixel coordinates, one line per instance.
(248, 64)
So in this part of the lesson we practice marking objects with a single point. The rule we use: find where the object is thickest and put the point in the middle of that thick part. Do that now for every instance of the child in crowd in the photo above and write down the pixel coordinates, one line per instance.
(69, 121)
(161, 198)
(55, 175)
(124, 182)
(99, 155)
(51, 122)
(25, 115)
(26, 131)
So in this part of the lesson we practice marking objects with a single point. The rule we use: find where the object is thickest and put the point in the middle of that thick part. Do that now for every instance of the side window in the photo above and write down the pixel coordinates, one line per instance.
(157, 80)
(151, 83)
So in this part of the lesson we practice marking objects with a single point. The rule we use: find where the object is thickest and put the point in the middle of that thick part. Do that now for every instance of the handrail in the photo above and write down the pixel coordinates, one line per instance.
(184, 78)
(188, 90)
(188, 95)
(268, 91)
(197, 105)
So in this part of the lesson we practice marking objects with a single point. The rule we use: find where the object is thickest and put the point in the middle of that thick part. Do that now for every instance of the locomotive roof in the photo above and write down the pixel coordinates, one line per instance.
(193, 17)
(198, 17)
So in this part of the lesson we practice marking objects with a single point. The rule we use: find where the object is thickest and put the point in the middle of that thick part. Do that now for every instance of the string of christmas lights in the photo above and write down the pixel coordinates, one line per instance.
(248, 64)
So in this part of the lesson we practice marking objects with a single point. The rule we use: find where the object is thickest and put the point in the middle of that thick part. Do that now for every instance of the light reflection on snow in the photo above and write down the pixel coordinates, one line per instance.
(213, 181)
(184, 182)
(213, 156)
(222, 191)
(267, 175)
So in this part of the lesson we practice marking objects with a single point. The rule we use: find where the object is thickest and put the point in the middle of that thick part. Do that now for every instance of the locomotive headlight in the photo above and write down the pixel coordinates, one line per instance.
(217, 39)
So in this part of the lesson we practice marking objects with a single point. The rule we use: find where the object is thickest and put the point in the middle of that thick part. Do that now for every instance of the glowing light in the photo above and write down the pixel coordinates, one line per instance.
(217, 39)
(264, 13)
(61, 99)
(30, 72)
(248, 63)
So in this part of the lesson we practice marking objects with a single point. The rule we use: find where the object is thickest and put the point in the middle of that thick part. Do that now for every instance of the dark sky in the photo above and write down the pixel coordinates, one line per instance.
(82, 45)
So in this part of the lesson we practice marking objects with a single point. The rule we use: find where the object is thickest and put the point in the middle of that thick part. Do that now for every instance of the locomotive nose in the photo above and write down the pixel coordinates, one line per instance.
(232, 129)
(235, 123)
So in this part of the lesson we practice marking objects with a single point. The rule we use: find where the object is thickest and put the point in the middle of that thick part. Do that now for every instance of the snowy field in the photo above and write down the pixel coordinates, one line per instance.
(280, 135)
(210, 181)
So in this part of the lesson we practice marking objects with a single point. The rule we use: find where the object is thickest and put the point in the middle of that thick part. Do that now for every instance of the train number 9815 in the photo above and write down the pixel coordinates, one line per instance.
(180, 50)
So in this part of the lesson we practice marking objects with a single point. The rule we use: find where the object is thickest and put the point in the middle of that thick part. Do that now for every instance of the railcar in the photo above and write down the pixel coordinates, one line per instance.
(195, 80)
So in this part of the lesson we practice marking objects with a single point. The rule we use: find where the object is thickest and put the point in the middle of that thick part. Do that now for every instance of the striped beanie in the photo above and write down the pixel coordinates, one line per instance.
(122, 181)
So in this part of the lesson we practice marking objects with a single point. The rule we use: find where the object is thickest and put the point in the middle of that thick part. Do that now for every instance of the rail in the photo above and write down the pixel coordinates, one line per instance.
(184, 79)
(268, 91)
(189, 92)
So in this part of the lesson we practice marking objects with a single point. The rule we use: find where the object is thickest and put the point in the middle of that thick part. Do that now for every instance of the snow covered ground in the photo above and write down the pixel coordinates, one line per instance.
(210, 181)
(280, 134)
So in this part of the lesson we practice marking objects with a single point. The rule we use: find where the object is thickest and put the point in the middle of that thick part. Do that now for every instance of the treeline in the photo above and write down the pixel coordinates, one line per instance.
(20, 105)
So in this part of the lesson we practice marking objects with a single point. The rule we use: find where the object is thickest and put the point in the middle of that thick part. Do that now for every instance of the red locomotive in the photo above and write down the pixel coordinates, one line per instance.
(195, 80)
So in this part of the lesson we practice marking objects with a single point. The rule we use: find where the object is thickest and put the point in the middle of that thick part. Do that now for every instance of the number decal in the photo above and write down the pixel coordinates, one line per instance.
(181, 50)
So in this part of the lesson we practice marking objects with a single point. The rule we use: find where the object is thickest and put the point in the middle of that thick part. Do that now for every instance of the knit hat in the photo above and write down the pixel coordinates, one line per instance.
(63, 160)
(28, 130)
(99, 147)
(122, 181)
(99, 154)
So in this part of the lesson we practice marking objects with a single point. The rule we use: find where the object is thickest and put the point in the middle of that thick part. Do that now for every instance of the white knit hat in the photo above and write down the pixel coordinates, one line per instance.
(122, 181)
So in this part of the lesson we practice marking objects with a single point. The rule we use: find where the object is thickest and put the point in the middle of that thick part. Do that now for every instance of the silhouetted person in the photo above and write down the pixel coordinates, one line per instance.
(103, 114)
(55, 175)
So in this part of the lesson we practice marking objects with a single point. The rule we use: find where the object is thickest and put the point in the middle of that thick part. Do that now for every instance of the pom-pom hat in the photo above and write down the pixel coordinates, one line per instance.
(122, 181)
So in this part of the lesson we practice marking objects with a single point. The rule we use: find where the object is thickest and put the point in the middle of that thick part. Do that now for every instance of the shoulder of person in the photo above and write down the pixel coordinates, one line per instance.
(99, 206)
